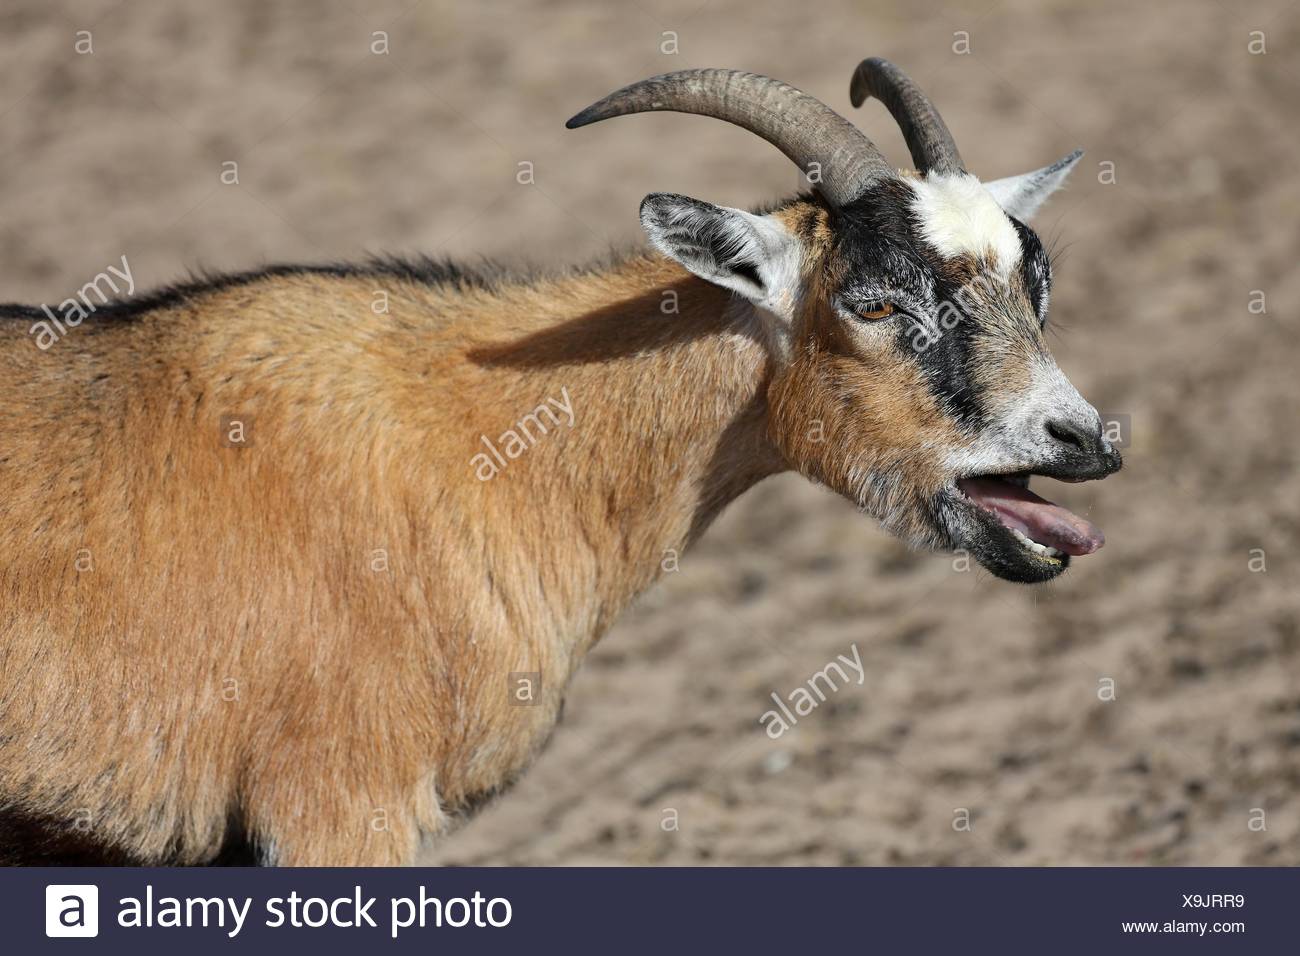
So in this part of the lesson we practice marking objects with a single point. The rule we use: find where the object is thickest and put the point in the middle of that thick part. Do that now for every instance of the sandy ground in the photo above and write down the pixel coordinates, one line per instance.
(980, 701)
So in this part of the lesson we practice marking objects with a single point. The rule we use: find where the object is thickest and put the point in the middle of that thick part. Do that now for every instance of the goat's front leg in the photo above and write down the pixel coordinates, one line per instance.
(334, 821)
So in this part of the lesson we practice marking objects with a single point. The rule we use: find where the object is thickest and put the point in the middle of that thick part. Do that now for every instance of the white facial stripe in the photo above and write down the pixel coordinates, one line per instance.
(959, 217)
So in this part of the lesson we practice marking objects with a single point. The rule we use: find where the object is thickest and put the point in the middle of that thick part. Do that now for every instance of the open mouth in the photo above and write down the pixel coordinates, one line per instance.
(1025, 537)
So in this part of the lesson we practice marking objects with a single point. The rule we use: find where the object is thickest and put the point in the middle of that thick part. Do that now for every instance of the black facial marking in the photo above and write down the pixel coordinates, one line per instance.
(878, 243)
(1035, 267)
(946, 361)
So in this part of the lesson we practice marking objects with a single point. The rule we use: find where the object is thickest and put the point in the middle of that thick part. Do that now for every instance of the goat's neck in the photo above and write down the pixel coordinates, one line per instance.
(666, 378)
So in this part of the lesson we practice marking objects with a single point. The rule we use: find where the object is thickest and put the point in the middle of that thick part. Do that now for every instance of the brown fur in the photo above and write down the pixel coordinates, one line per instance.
(199, 644)
(229, 653)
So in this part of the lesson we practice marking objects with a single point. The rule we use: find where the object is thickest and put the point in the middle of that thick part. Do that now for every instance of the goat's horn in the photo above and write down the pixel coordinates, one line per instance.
(928, 139)
(808, 131)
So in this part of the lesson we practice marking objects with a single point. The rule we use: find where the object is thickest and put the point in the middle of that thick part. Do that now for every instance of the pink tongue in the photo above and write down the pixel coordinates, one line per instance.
(1034, 517)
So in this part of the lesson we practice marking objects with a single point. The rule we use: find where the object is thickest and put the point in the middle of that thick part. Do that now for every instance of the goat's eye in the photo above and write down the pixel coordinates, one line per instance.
(876, 311)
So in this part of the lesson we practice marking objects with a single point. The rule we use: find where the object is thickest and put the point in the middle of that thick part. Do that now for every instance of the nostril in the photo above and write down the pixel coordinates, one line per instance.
(1068, 433)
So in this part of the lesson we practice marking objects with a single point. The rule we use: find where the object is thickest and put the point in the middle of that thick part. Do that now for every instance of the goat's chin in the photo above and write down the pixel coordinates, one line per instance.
(1006, 558)
(997, 549)
(946, 521)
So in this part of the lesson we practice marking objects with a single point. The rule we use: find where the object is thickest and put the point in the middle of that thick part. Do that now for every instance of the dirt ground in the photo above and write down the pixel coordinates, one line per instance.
(980, 734)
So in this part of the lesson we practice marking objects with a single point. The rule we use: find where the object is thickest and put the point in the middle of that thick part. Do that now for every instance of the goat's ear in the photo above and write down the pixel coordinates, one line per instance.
(755, 256)
(1020, 196)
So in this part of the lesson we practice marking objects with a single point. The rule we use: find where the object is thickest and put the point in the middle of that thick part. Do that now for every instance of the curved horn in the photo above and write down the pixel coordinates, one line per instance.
(808, 131)
(928, 139)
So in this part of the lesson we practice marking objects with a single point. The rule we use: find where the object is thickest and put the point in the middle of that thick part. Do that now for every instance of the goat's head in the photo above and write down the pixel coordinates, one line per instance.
(905, 312)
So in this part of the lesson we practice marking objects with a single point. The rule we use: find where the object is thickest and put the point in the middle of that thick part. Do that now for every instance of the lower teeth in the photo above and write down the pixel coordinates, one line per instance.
(1039, 549)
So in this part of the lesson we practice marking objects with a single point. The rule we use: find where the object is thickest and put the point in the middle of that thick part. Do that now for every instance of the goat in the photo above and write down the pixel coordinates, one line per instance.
(283, 582)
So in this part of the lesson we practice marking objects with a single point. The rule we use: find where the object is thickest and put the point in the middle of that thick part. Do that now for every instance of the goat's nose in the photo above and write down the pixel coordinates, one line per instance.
(1074, 435)
(1084, 446)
